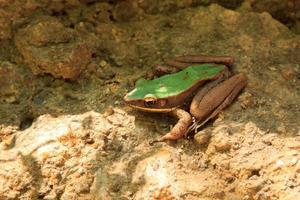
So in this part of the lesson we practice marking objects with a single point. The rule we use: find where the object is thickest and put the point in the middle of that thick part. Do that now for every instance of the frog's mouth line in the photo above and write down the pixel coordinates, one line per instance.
(158, 110)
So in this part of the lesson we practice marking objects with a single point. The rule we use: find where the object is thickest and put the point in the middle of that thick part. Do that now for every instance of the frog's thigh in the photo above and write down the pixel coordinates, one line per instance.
(216, 98)
(181, 127)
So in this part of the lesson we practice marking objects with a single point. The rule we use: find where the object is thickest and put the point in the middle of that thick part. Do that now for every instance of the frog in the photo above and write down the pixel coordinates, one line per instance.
(192, 88)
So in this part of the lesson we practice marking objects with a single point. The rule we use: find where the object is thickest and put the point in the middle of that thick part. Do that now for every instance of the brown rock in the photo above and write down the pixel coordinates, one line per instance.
(50, 48)
(5, 29)
(220, 142)
(202, 138)
(250, 187)
(9, 82)
(125, 10)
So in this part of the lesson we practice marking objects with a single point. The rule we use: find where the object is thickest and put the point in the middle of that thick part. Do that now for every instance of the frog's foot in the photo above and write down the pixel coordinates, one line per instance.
(181, 127)
(197, 124)
(194, 127)
(182, 62)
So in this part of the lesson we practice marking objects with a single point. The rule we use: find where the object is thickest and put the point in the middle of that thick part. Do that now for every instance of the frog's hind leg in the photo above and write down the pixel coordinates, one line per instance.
(224, 60)
(181, 127)
(181, 62)
(209, 102)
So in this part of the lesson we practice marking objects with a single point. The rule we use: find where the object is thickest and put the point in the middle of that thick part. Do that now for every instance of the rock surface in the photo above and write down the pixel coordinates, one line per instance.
(49, 47)
(106, 157)
(9, 85)
(52, 146)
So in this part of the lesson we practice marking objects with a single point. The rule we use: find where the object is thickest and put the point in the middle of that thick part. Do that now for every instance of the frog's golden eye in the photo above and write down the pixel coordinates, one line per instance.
(150, 101)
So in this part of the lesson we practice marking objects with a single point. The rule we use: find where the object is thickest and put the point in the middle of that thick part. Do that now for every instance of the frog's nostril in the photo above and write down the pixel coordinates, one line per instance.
(162, 102)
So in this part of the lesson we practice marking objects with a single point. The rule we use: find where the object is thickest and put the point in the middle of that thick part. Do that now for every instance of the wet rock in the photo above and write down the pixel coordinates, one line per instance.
(50, 48)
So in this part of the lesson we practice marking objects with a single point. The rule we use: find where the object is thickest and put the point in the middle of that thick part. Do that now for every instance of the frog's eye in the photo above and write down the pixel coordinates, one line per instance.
(150, 102)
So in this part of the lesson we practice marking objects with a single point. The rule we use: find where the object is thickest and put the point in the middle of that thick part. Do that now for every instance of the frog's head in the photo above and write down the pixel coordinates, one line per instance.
(147, 97)
(148, 102)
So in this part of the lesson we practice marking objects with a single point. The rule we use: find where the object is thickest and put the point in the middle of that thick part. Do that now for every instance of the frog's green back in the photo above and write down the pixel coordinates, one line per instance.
(173, 84)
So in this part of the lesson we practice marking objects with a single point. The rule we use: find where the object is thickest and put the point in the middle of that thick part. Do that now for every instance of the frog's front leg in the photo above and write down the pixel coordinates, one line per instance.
(160, 70)
(208, 102)
(181, 127)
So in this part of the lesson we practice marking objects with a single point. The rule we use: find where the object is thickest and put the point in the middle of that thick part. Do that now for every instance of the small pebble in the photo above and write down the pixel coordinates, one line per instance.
(279, 164)
(201, 138)
(293, 161)
(223, 145)
(102, 63)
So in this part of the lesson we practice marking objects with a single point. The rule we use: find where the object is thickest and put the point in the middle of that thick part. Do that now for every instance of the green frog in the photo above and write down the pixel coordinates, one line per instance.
(198, 88)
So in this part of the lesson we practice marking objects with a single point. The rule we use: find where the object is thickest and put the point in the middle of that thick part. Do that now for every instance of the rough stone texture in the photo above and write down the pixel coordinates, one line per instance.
(9, 84)
(14, 83)
(156, 6)
(49, 47)
(286, 11)
(56, 158)
(105, 157)
(251, 151)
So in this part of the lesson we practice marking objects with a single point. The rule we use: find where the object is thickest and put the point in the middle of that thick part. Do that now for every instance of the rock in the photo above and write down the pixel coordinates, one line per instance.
(101, 12)
(13, 82)
(284, 10)
(202, 138)
(50, 48)
(220, 141)
(222, 144)
(5, 29)
(110, 154)
(250, 187)
(292, 196)
(125, 10)
(53, 149)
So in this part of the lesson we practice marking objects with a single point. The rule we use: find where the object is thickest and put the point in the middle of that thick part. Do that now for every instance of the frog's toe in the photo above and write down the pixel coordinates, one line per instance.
(173, 135)
(153, 141)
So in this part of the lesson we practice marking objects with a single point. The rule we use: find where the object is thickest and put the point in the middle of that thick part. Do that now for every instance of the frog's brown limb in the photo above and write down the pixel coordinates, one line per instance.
(179, 65)
(195, 108)
(182, 62)
(181, 127)
(208, 106)
(159, 70)
(225, 60)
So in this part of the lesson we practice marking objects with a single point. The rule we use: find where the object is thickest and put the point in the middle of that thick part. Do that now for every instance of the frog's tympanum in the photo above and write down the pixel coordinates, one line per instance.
(203, 83)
